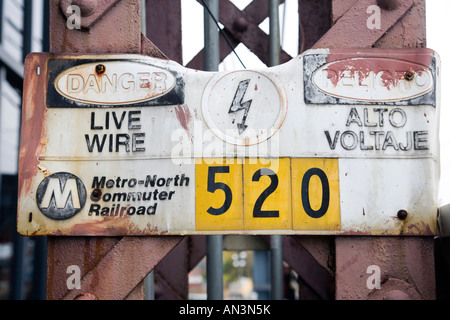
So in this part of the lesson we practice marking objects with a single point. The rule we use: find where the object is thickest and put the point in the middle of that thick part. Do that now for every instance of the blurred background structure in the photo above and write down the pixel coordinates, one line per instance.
(23, 29)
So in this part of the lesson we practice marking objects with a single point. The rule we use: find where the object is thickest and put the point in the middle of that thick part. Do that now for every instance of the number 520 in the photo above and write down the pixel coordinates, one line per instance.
(263, 194)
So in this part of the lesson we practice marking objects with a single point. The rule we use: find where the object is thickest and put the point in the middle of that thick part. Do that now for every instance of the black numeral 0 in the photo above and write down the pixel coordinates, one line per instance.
(257, 212)
(213, 186)
(325, 193)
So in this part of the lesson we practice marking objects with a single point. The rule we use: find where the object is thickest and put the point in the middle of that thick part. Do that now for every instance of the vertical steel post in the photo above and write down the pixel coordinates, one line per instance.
(274, 34)
(212, 50)
(143, 18)
(214, 267)
(149, 286)
(276, 270)
(214, 243)
(276, 241)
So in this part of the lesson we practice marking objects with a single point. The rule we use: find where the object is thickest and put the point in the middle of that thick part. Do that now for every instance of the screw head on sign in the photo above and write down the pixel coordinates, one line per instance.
(409, 75)
(402, 214)
(96, 195)
(100, 69)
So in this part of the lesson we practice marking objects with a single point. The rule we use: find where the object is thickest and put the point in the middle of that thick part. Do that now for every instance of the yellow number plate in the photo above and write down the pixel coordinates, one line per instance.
(267, 194)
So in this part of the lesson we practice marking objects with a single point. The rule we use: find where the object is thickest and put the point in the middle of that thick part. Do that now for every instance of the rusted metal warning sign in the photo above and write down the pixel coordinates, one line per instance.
(332, 142)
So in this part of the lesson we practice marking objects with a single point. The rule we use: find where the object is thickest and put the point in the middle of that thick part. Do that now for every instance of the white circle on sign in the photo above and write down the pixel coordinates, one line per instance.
(244, 107)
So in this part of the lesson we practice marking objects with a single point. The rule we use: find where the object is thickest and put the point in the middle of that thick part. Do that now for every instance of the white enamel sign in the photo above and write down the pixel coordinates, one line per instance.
(332, 142)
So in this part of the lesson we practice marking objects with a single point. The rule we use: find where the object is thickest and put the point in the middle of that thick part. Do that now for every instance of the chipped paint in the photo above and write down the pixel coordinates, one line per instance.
(373, 79)
(185, 118)
(376, 76)
(44, 170)
(138, 162)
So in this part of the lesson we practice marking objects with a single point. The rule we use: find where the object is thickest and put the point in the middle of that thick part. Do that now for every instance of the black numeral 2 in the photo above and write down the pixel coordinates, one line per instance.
(257, 212)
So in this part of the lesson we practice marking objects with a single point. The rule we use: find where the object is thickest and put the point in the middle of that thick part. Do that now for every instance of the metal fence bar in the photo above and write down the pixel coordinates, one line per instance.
(276, 270)
(212, 50)
(214, 243)
(149, 286)
(276, 241)
(274, 34)
(214, 267)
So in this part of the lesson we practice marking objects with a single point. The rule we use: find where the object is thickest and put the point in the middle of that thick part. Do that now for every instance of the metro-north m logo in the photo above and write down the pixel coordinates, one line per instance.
(61, 196)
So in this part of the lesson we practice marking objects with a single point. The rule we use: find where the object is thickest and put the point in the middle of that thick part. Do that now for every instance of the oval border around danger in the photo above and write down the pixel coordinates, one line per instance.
(119, 83)
(373, 79)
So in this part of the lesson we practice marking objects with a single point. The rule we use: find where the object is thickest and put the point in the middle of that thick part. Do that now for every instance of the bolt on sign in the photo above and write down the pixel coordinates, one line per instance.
(332, 142)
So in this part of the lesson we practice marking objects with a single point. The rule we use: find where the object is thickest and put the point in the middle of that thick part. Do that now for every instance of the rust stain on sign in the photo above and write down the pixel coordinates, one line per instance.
(112, 170)
(33, 127)
(394, 79)
(371, 76)
(184, 117)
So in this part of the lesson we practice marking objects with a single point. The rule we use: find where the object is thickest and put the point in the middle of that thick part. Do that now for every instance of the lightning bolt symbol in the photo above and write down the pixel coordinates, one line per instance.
(238, 105)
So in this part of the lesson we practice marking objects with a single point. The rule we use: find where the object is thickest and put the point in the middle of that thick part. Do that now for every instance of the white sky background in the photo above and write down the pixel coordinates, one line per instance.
(437, 39)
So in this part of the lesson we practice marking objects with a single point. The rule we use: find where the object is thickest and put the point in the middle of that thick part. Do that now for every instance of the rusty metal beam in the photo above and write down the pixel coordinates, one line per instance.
(164, 27)
(149, 49)
(171, 274)
(406, 264)
(314, 21)
(118, 31)
(197, 250)
(92, 11)
(406, 267)
(242, 27)
(111, 267)
(317, 282)
(123, 268)
(408, 32)
(350, 30)
(252, 36)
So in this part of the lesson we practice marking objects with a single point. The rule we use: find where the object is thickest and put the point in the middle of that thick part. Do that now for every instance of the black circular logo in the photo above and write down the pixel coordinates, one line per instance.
(61, 196)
